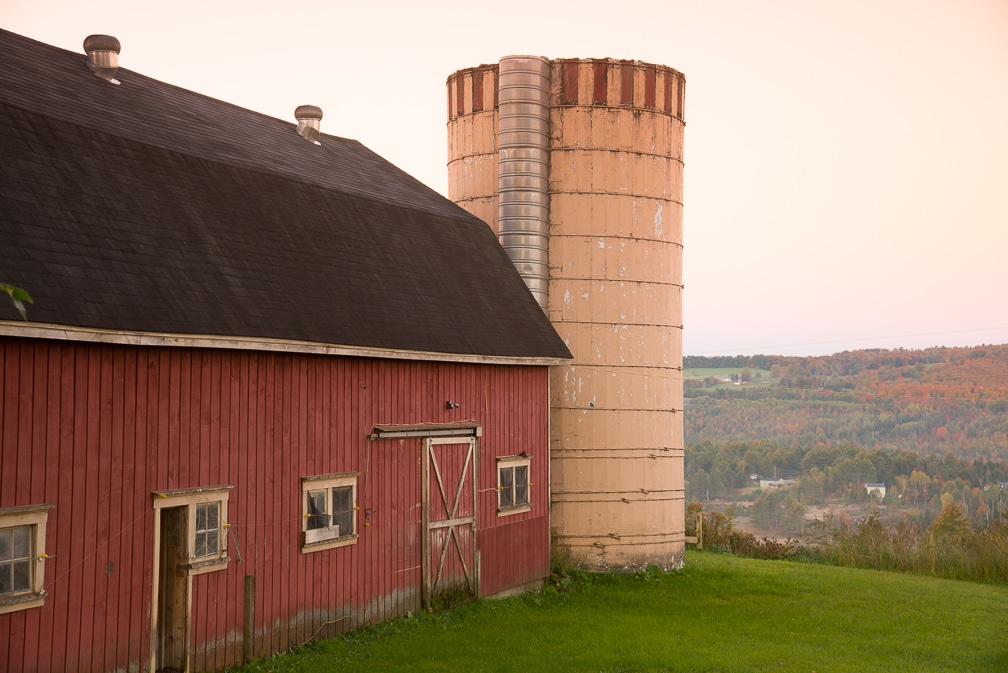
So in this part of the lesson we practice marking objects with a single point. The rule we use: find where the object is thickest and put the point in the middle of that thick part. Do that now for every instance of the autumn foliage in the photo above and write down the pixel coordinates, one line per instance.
(931, 401)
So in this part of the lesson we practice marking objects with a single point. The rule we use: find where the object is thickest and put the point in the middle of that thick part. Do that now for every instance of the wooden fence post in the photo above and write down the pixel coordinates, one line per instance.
(248, 634)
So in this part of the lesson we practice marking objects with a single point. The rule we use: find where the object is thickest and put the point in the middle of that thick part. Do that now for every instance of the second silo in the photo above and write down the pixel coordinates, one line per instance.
(609, 136)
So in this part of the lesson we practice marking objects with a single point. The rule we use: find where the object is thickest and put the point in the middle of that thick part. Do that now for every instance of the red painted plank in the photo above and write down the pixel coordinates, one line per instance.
(114, 518)
(270, 459)
(6, 397)
(82, 531)
(99, 470)
(25, 628)
(11, 412)
(23, 424)
(256, 506)
(207, 391)
(137, 447)
(227, 611)
(49, 493)
(188, 470)
(284, 531)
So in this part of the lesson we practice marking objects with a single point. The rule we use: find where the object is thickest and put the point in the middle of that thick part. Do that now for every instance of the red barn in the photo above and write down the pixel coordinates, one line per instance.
(271, 387)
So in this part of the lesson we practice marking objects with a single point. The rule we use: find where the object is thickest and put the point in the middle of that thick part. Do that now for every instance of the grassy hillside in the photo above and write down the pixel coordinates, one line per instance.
(720, 613)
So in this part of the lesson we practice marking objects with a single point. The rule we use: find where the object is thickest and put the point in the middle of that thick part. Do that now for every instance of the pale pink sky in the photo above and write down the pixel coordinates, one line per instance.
(846, 179)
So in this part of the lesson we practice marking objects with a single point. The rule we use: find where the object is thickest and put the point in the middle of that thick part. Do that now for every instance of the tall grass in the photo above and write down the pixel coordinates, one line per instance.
(974, 555)
(947, 549)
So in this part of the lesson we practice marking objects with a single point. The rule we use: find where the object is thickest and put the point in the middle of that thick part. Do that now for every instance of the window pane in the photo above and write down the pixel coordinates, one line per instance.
(342, 497)
(316, 499)
(505, 480)
(22, 576)
(521, 485)
(343, 509)
(6, 578)
(207, 529)
(213, 516)
(317, 516)
(21, 538)
(5, 544)
(213, 537)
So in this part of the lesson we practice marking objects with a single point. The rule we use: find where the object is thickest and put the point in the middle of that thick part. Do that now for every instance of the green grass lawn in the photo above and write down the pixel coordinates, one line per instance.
(720, 613)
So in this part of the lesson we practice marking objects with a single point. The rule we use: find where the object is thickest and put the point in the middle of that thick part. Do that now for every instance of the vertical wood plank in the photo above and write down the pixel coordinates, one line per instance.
(139, 450)
(11, 412)
(50, 493)
(118, 521)
(173, 397)
(100, 466)
(269, 456)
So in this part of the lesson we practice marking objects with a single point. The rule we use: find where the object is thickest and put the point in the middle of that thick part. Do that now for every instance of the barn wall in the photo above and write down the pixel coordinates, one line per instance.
(95, 429)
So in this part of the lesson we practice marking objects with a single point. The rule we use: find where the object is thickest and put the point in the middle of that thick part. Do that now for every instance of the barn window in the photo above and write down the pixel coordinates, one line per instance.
(208, 531)
(22, 557)
(198, 519)
(329, 508)
(513, 484)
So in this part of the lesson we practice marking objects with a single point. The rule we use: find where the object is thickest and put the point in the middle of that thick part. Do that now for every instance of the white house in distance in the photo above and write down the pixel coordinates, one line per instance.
(776, 483)
(876, 489)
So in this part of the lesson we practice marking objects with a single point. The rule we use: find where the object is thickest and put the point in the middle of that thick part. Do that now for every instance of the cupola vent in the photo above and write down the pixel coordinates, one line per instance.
(103, 55)
(308, 119)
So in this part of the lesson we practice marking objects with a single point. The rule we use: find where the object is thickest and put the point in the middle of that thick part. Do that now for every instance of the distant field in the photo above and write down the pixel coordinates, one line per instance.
(764, 377)
(719, 614)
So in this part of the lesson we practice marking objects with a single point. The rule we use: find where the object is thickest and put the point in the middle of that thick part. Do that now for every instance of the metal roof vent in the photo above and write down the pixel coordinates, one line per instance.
(103, 55)
(308, 119)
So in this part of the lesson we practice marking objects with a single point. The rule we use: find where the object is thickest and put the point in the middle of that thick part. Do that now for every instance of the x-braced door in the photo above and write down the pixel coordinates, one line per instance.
(449, 518)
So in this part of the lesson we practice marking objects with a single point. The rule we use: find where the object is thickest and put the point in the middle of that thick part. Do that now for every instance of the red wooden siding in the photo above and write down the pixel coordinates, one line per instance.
(95, 429)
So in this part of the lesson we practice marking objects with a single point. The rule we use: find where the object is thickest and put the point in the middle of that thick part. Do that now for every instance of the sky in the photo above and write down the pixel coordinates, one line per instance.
(846, 162)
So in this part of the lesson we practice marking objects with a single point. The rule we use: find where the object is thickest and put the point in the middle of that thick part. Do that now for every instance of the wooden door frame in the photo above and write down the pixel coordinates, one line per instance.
(156, 581)
(186, 498)
(470, 466)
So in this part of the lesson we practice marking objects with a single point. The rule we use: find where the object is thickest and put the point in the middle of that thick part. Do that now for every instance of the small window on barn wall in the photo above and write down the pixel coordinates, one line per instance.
(22, 557)
(513, 485)
(202, 520)
(329, 509)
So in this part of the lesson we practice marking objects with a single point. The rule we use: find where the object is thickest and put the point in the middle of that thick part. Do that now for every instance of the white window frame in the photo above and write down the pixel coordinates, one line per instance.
(190, 498)
(510, 463)
(327, 538)
(34, 516)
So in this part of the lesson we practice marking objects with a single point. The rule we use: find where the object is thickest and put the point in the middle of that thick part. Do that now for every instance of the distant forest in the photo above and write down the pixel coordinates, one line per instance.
(932, 401)
(930, 424)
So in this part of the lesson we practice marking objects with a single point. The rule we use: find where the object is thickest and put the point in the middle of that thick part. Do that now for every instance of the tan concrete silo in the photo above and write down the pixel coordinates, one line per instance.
(614, 242)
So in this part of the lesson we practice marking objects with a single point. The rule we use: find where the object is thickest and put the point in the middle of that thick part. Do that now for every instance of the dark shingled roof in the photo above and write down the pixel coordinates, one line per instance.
(146, 207)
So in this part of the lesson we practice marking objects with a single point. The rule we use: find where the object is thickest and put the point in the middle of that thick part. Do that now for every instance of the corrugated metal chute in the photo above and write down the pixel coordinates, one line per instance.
(523, 166)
